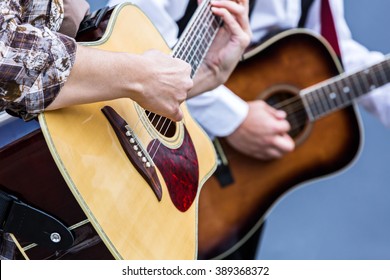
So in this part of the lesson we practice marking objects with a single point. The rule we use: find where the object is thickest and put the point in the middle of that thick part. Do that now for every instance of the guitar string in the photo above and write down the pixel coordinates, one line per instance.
(295, 109)
(181, 47)
(287, 103)
(146, 117)
(297, 113)
(206, 17)
(375, 69)
(331, 82)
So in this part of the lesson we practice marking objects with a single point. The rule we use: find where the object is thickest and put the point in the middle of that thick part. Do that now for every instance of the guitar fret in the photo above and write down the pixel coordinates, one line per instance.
(313, 105)
(363, 77)
(340, 92)
(334, 91)
(346, 90)
(359, 85)
(374, 77)
(353, 86)
(319, 97)
(330, 96)
(323, 100)
(382, 73)
(386, 71)
(194, 43)
(335, 94)
(340, 89)
(306, 105)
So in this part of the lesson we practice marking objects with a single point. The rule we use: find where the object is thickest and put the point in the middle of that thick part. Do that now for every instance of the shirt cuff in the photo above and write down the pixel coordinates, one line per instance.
(219, 112)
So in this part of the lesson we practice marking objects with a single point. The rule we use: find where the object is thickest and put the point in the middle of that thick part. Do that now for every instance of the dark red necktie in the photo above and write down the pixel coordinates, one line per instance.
(328, 29)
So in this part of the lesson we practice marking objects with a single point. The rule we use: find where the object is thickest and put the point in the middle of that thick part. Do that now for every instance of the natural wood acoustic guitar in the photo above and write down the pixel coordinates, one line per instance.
(135, 175)
(295, 71)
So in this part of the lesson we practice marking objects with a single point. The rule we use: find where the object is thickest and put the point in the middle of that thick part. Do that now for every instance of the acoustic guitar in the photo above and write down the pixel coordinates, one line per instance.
(135, 175)
(43, 188)
(295, 71)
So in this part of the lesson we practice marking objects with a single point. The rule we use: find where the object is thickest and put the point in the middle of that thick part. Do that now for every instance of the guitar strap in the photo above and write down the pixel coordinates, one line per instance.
(191, 7)
(193, 4)
(328, 29)
(31, 224)
(305, 6)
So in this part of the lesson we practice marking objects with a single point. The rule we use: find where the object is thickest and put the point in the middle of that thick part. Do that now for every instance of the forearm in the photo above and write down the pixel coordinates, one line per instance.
(227, 48)
(206, 79)
(97, 76)
(156, 81)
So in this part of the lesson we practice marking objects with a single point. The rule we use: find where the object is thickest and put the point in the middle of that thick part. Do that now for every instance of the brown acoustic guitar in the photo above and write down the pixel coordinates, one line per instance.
(298, 72)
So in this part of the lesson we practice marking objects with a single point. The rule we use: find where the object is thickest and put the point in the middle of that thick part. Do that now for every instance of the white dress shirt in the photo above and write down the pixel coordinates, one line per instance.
(220, 111)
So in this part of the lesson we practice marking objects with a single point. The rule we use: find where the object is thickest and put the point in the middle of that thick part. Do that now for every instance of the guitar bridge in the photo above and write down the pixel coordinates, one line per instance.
(141, 153)
(134, 151)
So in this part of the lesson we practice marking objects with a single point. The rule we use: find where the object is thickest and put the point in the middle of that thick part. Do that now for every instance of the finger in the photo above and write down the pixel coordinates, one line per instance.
(279, 114)
(238, 34)
(230, 5)
(177, 116)
(278, 127)
(269, 154)
(284, 143)
(239, 10)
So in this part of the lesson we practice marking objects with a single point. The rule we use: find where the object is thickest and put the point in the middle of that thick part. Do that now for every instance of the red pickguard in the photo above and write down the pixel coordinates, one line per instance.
(180, 170)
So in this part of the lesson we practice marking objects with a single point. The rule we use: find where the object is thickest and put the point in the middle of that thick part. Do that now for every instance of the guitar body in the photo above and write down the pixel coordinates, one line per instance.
(282, 66)
(134, 219)
(43, 187)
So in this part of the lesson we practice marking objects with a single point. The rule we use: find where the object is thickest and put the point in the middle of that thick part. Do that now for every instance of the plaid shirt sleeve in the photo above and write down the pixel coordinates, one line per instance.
(35, 61)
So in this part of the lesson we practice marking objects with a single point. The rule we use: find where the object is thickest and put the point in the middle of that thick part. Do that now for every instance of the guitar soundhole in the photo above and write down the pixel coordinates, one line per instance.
(292, 104)
(163, 125)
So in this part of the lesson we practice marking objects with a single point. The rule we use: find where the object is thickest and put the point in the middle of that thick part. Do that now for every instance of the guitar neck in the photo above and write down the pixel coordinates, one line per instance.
(196, 39)
(341, 91)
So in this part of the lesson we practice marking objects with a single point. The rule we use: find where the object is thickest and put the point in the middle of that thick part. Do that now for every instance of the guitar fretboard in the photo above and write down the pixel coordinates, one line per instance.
(339, 92)
(197, 37)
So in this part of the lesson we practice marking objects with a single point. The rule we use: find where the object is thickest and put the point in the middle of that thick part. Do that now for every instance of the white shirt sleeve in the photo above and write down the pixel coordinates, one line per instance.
(219, 111)
(356, 56)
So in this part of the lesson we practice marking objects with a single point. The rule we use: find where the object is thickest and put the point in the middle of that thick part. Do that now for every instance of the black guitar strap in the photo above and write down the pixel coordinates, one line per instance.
(191, 7)
(182, 23)
(31, 224)
(193, 4)
(305, 6)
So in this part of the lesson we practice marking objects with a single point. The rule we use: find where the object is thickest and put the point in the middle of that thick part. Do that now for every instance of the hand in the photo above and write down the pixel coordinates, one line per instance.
(263, 134)
(165, 83)
(227, 47)
(156, 81)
